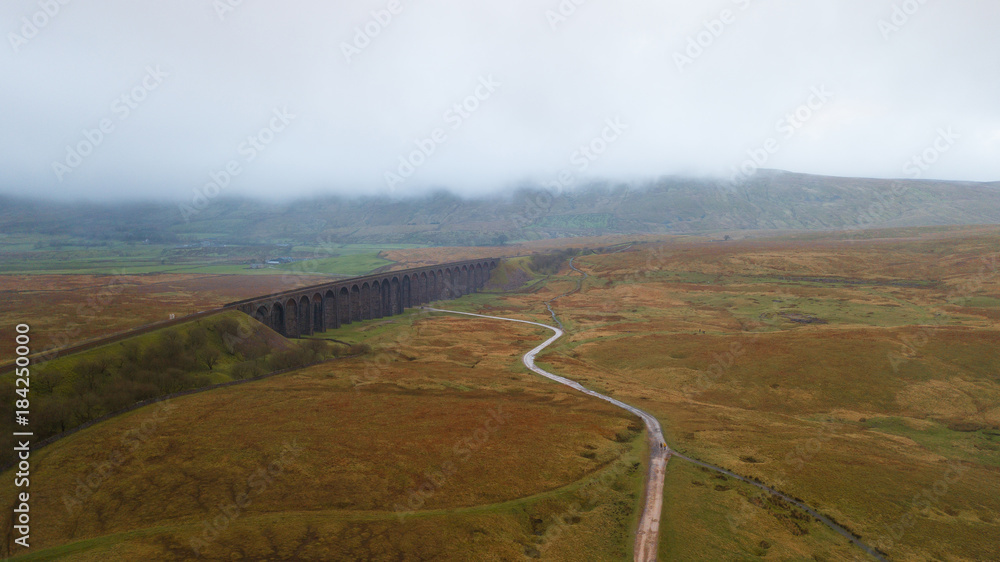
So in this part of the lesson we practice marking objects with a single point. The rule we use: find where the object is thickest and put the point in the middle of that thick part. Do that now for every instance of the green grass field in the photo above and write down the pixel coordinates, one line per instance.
(23, 254)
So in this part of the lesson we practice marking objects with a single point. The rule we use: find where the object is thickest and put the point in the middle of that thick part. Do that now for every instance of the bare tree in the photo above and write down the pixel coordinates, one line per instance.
(210, 357)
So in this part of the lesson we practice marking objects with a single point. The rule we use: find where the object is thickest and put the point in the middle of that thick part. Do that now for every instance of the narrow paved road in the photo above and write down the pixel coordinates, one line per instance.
(648, 533)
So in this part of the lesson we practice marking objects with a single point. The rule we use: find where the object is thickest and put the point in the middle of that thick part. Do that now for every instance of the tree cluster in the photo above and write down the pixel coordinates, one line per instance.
(69, 393)
(549, 264)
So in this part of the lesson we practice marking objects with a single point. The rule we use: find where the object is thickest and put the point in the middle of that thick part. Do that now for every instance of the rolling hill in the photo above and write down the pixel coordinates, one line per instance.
(771, 200)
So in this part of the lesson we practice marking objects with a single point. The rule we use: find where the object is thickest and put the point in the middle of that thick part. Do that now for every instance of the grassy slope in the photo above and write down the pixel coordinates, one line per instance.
(67, 309)
(713, 517)
(769, 200)
(692, 334)
(114, 353)
(71, 390)
(856, 452)
(558, 478)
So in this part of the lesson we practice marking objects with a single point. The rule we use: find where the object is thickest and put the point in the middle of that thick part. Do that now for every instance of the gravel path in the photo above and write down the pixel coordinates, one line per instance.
(648, 532)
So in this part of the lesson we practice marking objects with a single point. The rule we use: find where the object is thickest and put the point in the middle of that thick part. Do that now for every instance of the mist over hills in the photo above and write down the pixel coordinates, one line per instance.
(770, 200)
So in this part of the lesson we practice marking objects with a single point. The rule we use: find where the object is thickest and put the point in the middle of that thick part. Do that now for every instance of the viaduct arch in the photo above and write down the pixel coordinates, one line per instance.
(318, 308)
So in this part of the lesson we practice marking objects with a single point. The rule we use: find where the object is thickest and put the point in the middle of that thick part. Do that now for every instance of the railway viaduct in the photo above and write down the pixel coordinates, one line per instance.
(317, 308)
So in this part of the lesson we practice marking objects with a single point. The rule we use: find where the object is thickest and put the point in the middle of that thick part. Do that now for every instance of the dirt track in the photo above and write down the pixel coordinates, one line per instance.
(648, 534)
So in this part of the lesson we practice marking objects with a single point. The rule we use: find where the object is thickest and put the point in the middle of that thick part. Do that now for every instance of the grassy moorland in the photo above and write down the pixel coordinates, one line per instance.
(71, 289)
(438, 444)
(860, 376)
(69, 391)
(67, 308)
(855, 371)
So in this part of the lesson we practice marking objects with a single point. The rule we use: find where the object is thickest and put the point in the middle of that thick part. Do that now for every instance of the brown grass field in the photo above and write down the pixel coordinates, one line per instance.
(429, 448)
(428, 256)
(856, 371)
(66, 309)
(861, 377)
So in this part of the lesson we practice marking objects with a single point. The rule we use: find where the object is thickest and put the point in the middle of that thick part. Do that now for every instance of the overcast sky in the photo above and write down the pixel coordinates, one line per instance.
(651, 87)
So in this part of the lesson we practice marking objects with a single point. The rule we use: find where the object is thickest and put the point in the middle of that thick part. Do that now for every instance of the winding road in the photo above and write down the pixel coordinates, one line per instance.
(648, 533)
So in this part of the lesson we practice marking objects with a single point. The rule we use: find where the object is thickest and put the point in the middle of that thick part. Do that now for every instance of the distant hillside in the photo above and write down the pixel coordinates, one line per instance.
(770, 200)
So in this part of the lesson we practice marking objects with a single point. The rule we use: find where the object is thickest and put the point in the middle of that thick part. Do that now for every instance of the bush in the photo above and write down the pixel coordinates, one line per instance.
(250, 346)
(45, 382)
(318, 349)
(226, 325)
(340, 350)
(50, 418)
(167, 352)
(360, 349)
(197, 338)
(88, 375)
(246, 370)
(966, 426)
(131, 353)
(289, 359)
(80, 389)
(253, 348)
(550, 264)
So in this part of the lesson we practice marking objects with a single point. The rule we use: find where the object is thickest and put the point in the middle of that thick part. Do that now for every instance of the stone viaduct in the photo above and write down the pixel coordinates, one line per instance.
(331, 305)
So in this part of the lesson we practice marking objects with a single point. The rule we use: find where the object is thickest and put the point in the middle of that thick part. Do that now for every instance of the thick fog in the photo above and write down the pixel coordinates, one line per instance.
(125, 99)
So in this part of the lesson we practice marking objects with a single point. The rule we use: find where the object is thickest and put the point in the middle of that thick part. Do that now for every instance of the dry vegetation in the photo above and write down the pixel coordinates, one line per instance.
(68, 309)
(68, 392)
(856, 375)
(428, 256)
(424, 449)
(857, 372)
